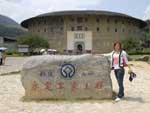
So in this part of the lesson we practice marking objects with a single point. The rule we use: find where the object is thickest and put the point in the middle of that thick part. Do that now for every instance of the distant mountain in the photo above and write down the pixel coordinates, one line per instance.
(6, 21)
(10, 28)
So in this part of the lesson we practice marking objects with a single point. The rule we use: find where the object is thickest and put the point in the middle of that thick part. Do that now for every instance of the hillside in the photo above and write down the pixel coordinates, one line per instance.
(6, 21)
(10, 28)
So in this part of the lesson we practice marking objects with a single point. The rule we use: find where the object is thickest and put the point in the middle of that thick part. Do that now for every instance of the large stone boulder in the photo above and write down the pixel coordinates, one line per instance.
(149, 60)
(67, 77)
(144, 58)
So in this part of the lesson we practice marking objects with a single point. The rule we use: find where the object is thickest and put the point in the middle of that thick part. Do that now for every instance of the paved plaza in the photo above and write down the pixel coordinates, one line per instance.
(137, 99)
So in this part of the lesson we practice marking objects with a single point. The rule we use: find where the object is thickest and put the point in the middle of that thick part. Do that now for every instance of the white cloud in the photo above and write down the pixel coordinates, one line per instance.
(23, 9)
(147, 13)
(13, 0)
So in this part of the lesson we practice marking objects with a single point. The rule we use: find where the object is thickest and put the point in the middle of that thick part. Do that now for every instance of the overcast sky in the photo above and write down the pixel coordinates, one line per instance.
(23, 9)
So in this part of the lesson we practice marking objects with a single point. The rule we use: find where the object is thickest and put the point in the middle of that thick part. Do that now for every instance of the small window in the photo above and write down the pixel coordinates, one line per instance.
(72, 19)
(44, 21)
(98, 29)
(86, 29)
(97, 20)
(72, 28)
(79, 19)
(108, 20)
(61, 20)
(133, 24)
(79, 28)
(86, 19)
(70, 51)
(45, 30)
(116, 21)
(122, 22)
(116, 30)
(61, 29)
(129, 22)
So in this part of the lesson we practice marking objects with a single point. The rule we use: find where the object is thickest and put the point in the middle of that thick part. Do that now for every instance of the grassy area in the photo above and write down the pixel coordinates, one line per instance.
(14, 55)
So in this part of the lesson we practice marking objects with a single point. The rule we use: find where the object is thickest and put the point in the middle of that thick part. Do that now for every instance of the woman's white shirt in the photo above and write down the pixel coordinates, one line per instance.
(113, 54)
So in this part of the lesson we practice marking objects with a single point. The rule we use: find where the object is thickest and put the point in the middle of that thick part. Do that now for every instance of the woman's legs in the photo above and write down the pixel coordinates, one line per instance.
(119, 73)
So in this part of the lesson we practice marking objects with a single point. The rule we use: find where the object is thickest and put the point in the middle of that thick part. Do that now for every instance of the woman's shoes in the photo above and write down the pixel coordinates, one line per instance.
(117, 99)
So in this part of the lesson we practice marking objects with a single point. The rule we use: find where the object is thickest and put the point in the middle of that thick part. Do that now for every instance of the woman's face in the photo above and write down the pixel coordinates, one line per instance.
(117, 47)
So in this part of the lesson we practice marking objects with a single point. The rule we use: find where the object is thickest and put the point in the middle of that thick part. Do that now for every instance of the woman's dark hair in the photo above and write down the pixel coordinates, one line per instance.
(119, 45)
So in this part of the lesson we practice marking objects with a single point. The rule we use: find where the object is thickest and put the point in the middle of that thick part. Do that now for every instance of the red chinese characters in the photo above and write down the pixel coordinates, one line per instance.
(74, 86)
(99, 85)
(48, 86)
(34, 86)
(60, 85)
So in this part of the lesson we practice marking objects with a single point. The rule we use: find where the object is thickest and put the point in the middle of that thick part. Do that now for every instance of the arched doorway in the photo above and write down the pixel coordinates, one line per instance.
(79, 47)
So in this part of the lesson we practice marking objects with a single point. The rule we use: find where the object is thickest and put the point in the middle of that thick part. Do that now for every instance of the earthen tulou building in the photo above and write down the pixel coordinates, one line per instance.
(84, 31)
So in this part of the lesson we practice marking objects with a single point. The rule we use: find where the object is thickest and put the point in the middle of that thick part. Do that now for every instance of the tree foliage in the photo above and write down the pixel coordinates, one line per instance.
(130, 43)
(146, 40)
(34, 41)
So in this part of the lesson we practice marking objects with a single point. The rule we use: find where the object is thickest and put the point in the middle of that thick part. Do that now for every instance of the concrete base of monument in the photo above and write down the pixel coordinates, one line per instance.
(67, 77)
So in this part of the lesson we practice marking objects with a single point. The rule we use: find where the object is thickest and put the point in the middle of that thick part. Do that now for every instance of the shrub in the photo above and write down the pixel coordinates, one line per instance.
(34, 42)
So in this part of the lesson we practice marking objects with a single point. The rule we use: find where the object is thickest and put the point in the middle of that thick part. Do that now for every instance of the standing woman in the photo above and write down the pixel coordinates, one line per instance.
(119, 60)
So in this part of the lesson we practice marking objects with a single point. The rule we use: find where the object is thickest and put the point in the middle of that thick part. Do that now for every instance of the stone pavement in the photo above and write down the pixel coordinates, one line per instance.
(137, 99)
(12, 65)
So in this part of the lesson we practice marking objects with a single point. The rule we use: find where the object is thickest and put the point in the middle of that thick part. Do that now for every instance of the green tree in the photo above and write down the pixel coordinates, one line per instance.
(147, 27)
(34, 42)
(146, 40)
(131, 44)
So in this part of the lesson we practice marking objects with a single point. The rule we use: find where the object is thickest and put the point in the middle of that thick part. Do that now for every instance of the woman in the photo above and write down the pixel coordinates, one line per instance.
(119, 60)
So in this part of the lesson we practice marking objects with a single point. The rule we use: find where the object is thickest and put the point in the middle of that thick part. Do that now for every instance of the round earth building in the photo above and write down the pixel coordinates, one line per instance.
(84, 31)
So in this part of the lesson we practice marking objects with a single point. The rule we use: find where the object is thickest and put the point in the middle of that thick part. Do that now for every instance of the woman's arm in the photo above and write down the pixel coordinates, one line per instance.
(108, 54)
(125, 57)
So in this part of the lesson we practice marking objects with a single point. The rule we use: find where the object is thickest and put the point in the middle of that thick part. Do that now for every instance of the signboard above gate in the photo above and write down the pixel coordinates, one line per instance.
(79, 36)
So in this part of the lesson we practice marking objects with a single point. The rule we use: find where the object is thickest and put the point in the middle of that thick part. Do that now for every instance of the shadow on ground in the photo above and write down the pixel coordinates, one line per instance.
(135, 99)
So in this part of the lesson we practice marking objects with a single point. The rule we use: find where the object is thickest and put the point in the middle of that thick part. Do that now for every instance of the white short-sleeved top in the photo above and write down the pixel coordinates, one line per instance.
(117, 62)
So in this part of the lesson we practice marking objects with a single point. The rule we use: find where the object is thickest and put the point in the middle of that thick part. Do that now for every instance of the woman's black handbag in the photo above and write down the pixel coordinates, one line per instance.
(132, 76)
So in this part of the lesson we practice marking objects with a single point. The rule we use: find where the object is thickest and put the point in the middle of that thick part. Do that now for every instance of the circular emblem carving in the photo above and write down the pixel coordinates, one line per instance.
(67, 70)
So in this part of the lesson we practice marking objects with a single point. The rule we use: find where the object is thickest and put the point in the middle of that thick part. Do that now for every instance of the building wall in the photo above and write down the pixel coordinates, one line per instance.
(105, 30)
(79, 37)
(9, 45)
